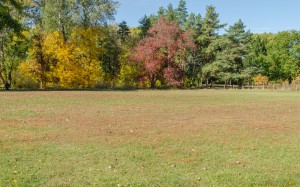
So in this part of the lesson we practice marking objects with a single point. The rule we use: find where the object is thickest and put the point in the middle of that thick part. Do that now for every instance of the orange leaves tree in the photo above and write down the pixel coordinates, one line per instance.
(162, 54)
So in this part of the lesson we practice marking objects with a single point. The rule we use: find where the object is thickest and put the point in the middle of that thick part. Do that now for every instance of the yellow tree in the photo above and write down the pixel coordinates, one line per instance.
(75, 63)
(72, 64)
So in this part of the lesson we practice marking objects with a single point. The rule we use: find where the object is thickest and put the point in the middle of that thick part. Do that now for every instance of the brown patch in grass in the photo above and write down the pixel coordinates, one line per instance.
(149, 117)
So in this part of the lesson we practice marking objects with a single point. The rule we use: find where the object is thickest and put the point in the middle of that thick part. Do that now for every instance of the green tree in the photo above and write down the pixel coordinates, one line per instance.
(193, 67)
(10, 23)
(170, 13)
(209, 33)
(161, 12)
(7, 19)
(231, 49)
(193, 23)
(94, 13)
(181, 13)
(206, 38)
(14, 51)
(57, 16)
(256, 61)
(65, 15)
(109, 60)
(145, 24)
(123, 31)
(284, 56)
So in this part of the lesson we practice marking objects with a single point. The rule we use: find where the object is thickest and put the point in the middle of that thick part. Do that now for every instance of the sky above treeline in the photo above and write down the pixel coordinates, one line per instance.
(258, 15)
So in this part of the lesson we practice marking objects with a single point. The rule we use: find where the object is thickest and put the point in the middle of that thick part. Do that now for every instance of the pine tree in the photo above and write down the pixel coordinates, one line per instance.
(208, 34)
(181, 13)
(145, 24)
(161, 12)
(232, 50)
(109, 60)
(123, 30)
(170, 13)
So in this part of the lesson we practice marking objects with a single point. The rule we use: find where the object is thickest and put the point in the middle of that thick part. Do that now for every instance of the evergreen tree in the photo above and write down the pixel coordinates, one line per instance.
(193, 23)
(123, 30)
(208, 35)
(153, 19)
(109, 60)
(181, 13)
(161, 12)
(232, 50)
(170, 13)
(145, 24)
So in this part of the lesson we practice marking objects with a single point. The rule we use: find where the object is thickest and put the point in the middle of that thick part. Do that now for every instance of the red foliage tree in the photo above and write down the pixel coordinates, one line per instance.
(163, 53)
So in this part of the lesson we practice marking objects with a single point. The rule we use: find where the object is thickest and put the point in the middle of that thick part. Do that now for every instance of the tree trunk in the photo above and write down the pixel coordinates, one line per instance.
(240, 83)
(2, 58)
(290, 79)
(199, 82)
(152, 82)
(2, 78)
(207, 82)
(7, 86)
(39, 57)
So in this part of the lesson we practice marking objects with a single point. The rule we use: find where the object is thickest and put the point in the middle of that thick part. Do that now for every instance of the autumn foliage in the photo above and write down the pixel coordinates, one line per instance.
(163, 53)
(260, 80)
(72, 44)
(72, 64)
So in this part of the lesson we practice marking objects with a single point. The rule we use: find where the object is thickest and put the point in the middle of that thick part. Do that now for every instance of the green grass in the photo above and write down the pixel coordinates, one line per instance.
(150, 138)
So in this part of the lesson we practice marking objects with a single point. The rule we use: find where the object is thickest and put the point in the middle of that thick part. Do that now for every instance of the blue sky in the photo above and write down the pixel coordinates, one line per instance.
(258, 15)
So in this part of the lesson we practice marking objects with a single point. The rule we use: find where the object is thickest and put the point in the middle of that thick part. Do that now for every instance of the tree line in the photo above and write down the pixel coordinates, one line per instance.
(75, 44)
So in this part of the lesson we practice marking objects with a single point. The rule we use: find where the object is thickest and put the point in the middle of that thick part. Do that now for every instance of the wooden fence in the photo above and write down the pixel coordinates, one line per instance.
(282, 87)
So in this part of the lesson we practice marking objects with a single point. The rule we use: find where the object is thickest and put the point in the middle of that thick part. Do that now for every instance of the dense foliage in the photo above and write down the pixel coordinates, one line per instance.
(74, 44)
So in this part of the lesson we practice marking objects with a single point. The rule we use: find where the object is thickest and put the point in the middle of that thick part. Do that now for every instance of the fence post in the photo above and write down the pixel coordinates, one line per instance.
(296, 88)
(273, 87)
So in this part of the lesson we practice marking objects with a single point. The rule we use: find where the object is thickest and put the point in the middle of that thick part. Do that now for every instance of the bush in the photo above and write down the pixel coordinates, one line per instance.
(24, 78)
(260, 80)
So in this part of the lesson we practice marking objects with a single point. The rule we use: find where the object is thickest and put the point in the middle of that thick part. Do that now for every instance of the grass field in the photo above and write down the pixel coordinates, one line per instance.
(150, 138)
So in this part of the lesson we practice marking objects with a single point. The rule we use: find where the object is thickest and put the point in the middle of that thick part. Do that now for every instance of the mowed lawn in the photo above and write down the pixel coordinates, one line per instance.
(150, 138)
